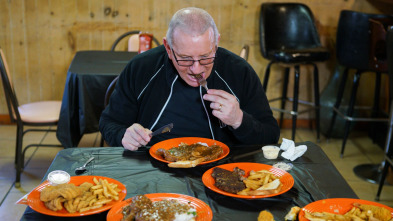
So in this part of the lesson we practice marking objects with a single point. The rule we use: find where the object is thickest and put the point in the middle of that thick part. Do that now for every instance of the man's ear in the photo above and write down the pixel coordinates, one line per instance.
(167, 48)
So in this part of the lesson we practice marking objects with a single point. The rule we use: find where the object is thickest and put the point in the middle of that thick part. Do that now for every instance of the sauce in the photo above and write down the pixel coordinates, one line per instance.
(58, 177)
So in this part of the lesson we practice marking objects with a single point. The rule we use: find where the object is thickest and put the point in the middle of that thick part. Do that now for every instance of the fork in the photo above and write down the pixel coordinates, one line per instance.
(202, 81)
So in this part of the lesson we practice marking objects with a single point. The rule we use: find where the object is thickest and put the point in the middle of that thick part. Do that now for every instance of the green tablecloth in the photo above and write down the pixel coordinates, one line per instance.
(315, 178)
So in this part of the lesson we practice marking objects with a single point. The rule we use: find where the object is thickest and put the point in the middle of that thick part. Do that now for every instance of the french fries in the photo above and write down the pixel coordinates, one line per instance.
(257, 180)
(357, 212)
(95, 196)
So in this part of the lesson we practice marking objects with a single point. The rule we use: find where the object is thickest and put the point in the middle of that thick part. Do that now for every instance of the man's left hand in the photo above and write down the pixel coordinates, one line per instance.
(225, 107)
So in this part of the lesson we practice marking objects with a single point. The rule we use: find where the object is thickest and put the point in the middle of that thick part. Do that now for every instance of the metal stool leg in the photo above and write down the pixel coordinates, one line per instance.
(316, 101)
(340, 94)
(351, 107)
(266, 78)
(284, 94)
(375, 109)
(295, 101)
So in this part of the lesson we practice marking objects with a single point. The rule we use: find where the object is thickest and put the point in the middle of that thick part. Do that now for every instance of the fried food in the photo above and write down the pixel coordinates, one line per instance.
(292, 214)
(380, 213)
(55, 204)
(359, 212)
(80, 198)
(265, 216)
(67, 191)
(261, 182)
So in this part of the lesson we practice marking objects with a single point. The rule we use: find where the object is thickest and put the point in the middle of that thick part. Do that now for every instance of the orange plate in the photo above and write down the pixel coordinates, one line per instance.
(203, 210)
(285, 178)
(168, 144)
(33, 200)
(336, 205)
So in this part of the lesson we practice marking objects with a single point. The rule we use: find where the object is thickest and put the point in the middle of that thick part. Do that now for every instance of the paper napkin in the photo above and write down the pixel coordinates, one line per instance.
(291, 152)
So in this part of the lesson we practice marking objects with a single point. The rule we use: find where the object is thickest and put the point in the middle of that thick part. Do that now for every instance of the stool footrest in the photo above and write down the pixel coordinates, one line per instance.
(358, 119)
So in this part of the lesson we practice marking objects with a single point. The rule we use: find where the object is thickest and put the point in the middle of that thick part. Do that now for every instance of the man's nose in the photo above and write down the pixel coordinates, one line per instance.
(196, 67)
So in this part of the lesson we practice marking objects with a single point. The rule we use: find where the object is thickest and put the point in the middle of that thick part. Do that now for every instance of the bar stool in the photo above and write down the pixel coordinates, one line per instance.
(358, 47)
(288, 36)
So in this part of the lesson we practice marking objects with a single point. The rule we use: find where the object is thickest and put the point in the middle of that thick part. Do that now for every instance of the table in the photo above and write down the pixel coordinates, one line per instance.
(315, 178)
(88, 77)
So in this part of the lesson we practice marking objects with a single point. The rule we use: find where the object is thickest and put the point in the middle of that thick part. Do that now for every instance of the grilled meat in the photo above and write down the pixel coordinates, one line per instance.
(229, 181)
(190, 152)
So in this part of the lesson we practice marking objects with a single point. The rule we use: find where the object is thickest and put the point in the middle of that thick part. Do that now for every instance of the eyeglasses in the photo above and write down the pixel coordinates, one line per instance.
(189, 63)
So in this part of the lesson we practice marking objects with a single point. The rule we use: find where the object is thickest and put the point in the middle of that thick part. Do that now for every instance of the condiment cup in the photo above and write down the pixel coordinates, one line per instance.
(57, 177)
(270, 152)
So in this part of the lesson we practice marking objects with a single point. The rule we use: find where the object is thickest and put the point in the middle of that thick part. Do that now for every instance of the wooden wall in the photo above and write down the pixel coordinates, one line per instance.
(40, 37)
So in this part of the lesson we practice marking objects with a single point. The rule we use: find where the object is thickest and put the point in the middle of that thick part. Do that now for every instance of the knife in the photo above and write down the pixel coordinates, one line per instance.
(164, 129)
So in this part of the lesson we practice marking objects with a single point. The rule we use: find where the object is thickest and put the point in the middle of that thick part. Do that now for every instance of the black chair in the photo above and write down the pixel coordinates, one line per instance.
(36, 114)
(359, 47)
(288, 36)
(108, 94)
(388, 150)
(126, 35)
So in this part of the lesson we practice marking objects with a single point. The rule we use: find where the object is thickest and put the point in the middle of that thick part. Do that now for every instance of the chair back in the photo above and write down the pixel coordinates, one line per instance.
(109, 91)
(244, 52)
(353, 39)
(132, 41)
(287, 26)
(389, 46)
(12, 101)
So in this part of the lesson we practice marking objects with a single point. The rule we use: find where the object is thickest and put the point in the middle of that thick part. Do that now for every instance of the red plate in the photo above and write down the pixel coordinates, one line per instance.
(33, 200)
(168, 144)
(285, 178)
(336, 205)
(203, 210)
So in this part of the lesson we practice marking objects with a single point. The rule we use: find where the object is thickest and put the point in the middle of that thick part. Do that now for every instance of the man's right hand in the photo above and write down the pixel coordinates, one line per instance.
(135, 137)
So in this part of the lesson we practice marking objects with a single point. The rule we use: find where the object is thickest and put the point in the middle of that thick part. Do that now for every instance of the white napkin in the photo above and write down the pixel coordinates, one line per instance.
(291, 152)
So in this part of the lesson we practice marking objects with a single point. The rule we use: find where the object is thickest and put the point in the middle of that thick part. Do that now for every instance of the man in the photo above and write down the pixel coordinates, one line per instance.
(160, 86)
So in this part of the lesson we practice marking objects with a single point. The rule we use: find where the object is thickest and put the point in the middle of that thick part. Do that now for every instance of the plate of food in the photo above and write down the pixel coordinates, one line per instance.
(345, 209)
(186, 152)
(182, 207)
(83, 195)
(248, 180)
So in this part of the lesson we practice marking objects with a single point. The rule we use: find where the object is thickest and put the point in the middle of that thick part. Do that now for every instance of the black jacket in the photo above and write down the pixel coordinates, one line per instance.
(145, 85)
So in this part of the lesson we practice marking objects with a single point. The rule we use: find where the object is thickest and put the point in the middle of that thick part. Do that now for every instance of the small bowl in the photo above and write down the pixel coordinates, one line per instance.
(57, 177)
(270, 152)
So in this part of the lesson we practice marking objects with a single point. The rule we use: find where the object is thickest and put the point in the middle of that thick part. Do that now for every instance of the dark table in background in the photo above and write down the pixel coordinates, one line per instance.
(88, 77)
(315, 178)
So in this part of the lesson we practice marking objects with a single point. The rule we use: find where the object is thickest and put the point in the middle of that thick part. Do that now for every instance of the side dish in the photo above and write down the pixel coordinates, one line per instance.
(142, 208)
(257, 183)
(186, 156)
(358, 212)
(80, 198)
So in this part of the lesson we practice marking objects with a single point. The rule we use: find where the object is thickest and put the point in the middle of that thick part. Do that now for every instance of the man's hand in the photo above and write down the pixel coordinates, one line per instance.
(225, 107)
(135, 137)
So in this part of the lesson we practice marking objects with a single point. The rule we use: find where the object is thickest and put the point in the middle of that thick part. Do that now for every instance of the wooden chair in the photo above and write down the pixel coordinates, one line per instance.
(36, 114)
(133, 41)
(244, 52)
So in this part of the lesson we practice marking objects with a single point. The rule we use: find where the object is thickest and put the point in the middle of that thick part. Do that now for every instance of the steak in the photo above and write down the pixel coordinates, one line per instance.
(229, 181)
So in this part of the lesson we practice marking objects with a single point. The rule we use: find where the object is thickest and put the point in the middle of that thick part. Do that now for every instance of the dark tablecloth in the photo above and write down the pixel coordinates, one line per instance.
(315, 178)
(88, 78)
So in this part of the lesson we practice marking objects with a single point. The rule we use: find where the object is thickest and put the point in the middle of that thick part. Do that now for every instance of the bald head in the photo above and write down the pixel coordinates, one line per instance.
(191, 21)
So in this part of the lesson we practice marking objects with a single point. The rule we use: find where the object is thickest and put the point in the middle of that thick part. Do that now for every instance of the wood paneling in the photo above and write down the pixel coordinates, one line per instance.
(40, 37)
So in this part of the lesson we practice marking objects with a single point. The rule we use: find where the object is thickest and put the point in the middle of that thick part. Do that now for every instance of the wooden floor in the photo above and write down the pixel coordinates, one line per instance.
(359, 150)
